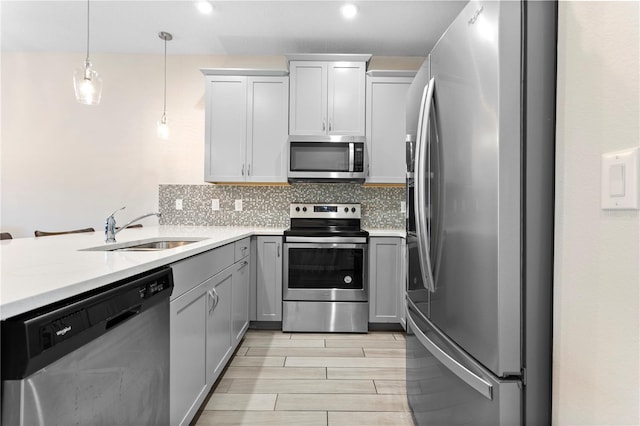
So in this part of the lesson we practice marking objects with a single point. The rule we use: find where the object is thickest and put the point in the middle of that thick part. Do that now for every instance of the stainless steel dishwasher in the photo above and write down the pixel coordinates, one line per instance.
(101, 358)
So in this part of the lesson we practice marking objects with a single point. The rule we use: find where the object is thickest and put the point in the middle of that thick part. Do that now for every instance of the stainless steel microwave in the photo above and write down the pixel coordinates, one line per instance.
(326, 159)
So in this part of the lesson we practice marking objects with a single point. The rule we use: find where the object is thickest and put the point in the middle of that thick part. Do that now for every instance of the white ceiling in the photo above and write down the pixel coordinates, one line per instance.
(236, 27)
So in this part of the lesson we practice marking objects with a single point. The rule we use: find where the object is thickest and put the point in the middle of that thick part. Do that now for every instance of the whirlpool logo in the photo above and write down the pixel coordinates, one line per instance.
(63, 331)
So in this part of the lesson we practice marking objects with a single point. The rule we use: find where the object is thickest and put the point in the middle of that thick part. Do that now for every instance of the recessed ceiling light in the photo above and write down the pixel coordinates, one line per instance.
(204, 6)
(349, 11)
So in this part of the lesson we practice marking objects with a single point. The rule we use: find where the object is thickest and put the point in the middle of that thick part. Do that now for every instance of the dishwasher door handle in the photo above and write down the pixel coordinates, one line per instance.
(123, 316)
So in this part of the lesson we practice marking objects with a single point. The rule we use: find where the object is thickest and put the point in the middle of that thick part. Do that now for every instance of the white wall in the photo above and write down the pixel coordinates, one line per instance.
(66, 165)
(597, 276)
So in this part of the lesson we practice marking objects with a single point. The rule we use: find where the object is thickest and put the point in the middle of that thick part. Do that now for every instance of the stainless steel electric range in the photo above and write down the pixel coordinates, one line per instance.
(325, 286)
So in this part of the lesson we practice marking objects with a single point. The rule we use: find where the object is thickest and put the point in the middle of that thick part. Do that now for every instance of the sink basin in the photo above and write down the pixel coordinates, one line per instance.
(154, 244)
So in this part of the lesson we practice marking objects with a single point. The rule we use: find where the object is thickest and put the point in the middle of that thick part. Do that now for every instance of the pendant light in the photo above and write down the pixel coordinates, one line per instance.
(87, 84)
(163, 127)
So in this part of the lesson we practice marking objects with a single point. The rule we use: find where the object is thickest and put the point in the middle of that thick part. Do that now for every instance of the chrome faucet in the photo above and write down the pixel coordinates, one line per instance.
(110, 230)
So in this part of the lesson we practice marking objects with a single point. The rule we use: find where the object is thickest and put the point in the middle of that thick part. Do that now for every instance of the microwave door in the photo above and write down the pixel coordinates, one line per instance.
(326, 161)
(320, 157)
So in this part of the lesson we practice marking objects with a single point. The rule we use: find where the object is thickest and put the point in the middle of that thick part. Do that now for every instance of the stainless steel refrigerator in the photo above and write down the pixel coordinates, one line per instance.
(480, 179)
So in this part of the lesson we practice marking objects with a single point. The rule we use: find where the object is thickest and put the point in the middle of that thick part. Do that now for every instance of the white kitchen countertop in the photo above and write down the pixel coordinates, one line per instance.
(38, 271)
(400, 233)
(35, 272)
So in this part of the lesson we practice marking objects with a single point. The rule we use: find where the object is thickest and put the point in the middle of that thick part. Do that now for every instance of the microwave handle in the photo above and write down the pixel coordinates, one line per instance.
(352, 156)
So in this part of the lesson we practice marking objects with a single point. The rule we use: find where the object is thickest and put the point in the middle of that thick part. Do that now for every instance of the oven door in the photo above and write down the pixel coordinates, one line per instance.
(326, 271)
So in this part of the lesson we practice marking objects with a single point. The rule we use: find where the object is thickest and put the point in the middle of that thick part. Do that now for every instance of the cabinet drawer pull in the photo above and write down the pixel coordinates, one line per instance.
(278, 246)
(245, 263)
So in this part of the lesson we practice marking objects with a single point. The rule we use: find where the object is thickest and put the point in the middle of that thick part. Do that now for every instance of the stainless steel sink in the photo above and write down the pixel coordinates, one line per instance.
(155, 244)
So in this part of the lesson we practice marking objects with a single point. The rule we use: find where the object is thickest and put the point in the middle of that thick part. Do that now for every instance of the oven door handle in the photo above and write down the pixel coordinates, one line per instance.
(327, 240)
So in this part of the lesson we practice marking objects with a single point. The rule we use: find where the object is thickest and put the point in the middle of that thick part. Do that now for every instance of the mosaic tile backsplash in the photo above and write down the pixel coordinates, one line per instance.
(269, 205)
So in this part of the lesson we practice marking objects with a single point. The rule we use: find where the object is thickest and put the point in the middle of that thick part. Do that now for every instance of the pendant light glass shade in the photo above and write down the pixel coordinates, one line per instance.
(87, 84)
(163, 126)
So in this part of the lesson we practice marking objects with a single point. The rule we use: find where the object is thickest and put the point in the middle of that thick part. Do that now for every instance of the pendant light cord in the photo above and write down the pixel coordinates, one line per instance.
(164, 108)
(87, 60)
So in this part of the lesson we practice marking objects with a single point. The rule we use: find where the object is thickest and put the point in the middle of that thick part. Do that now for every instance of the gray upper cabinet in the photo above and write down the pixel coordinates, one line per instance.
(328, 97)
(385, 130)
(246, 127)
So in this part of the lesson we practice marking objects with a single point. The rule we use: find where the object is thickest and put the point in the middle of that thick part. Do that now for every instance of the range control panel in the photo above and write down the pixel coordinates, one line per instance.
(325, 211)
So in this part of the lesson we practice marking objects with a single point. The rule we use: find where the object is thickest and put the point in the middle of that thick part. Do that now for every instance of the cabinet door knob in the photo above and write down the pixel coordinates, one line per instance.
(330, 126)
(278, 246)
(242, 170)
(323, 126)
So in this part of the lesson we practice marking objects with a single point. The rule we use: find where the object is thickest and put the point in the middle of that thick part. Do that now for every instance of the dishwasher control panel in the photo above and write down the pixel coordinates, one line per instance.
(44, 335)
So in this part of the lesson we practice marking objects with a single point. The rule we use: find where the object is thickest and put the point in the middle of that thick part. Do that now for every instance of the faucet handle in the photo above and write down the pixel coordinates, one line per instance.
(121, 208)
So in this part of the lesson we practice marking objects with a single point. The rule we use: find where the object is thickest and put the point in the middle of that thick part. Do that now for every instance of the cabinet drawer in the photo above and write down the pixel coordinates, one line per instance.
(190, 272)
(242, 248)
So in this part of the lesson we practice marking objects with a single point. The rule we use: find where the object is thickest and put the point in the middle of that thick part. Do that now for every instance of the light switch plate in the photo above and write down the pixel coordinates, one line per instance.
(215, 204)
(179, 204)
(403, 206)
(620, 186)
(238, 205)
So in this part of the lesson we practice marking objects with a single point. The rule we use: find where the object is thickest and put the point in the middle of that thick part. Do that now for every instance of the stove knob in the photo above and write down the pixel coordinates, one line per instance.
(297, 209)
(353, 209)
(304, 209)
(346, 209)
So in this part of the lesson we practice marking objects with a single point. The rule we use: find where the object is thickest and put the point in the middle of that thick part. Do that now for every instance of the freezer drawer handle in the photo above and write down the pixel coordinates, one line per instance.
(478, 383)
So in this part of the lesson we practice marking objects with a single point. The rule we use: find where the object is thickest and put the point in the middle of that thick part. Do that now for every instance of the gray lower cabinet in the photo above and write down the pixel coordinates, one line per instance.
(219, 345)
(386, 280)
(209, 315)
(269, 278)
(188, 366)
(240, 296)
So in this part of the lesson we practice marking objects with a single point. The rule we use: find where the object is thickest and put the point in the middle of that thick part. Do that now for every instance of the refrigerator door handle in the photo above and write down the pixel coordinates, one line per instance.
(438, 227)
(420, 191)
(476, 382)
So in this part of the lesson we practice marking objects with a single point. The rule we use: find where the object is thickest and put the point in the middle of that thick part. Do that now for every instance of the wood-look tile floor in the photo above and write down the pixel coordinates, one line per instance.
(328, 379)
